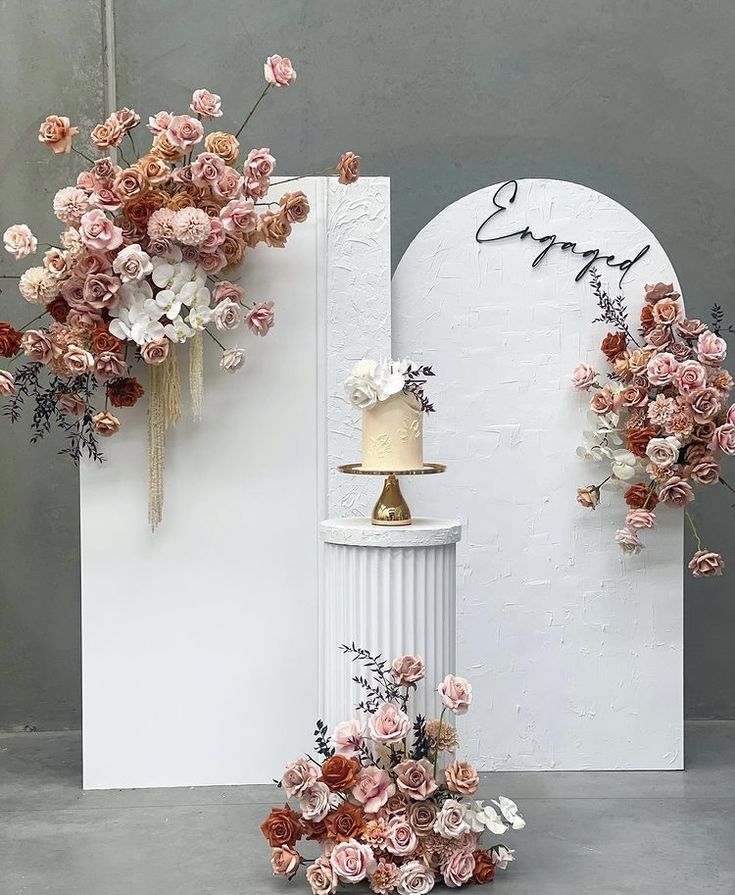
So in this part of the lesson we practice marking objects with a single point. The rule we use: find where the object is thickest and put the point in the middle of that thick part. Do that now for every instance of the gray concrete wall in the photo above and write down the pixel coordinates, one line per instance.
(631, 98)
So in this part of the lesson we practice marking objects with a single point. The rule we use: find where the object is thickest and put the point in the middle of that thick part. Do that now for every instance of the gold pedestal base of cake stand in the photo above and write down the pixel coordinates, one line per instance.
(391, 507)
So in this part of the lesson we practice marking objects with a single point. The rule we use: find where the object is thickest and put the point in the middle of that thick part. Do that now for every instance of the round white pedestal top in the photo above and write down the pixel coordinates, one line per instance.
(358, 531)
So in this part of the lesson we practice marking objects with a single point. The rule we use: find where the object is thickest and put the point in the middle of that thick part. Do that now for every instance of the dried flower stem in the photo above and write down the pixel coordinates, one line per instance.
(693, 528)
(83, 155)
(252, 111)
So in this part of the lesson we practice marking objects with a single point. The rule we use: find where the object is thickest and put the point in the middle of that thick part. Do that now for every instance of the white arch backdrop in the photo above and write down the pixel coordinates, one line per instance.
(575, 654)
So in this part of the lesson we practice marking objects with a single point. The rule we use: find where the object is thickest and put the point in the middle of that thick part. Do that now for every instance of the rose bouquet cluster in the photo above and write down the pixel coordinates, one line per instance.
(144, 265)
(372, 381)
(377, 802)
(663, 420)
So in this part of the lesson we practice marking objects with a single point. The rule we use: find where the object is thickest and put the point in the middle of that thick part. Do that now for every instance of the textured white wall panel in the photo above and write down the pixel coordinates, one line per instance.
(575, 653)
(183, 629)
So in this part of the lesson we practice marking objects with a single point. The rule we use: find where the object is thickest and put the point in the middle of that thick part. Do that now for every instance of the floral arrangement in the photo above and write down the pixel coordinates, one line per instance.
(372, 381)
(144, 266)
(662, 420)
(378, 803)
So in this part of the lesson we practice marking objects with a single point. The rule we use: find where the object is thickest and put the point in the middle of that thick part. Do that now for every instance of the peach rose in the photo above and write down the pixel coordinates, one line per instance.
(56, 132)
(415, 778)
(130, 183)
(99, 233)
(278, 71)
(155, 352)
(321, 877)
(407, 670)
(640, 519)
(109, 133)
(153, 169)
(105, 424)
(285, 861)
(372, 789)
(706, 563)
(676, 492)
(603, 401)
(724, 437)
(352, 861)
(456, 694)
(274, 229)
(77, 360)
(39, 346)
(19, 241)
(461, 777)
(667, 311)
(588, 497)
(260, 319)
(634, 395)
(164, 147)
(224, 145)
(348, 169)
(295, 206)
(206, 104)
(711, 349)
(7, 384)
(388, 724)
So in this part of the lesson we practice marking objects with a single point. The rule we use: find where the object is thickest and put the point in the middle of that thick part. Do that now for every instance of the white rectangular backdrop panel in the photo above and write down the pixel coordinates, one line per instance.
(575, 653)
(200, 641)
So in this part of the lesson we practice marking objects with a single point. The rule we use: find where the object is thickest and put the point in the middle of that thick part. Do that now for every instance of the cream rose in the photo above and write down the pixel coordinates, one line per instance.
(19, 241)
(316, 802)
(299, 777)
(232, 359)
(664, 452)
(628, 541)
(583, 376)
(400, 839)
(451, 821)
(132, 263)
(415, 879)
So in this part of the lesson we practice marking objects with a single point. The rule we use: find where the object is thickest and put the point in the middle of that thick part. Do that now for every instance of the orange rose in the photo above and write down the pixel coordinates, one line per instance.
(613, 345)
(129, 184)
(223, 145)
(9, 340)
(484, 867)
(461, 777)
(56, 132)
(344, 823)
(103, 340)
(639, 496)
(295, 206)
(153, 168)
(233, 248)
(165, 149)
(314, 829)
(638, 439)
(109, 133)
(282, 827)
(647, 321)
(124, 392)
(105, 424)
(340, 773)
(274, 229)
(348, 169)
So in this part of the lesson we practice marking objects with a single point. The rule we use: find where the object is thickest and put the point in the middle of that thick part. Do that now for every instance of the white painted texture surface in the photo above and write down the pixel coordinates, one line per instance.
(198, 638)
(574, 653)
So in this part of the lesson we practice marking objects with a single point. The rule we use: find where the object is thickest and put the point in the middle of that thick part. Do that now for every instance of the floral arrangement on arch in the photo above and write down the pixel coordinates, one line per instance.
(144, 265)
(662, 420)
(377, 801)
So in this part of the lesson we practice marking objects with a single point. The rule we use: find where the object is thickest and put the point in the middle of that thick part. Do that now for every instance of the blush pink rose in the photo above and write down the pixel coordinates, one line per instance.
(77, 360)
(352, 861)
(215, 237)
(285, 861)
(184, 131)
(39, 346)
(459, 868)
(212, 261)
(706, 563)
(227, 290)
(99, 233)
(299, 777)
(583, 376)
(388, 724)
(640, 519)
(724, 438)
(206, 104)
(159, 122)
(456, 694)
(7, 384)
(373, 789)
(259, 164)
(206, 169)
(407, 670)
(72, 404)
(662, 368)
(155, 352)
(239, 216)
(347, 737)
(690, 376)
(415, 778)
(261, 318)
(731, 414)
(400, 839)
(711, 349)
(229, 185)
(109, 365)
(279, 71)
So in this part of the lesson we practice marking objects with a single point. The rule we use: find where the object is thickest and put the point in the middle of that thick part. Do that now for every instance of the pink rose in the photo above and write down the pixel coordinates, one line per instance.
(285, 861)
(101, 291)
(711, 349)
(456, 694)
(155, 352)
(212, 261)
(705, 404)
(352, 861)
(451, 821)
(583, 376)
(239, 216)
(640, 519)
(661, 368)
(7, 384)
(224, 290)
(706, 563)
(99, 233)
(38, 345)
(229, 185)
(259, 164)
(415, 778)
(227, 315)
(206, 169)
(407, 670)
(690, 376)
(459, 868)
(347, 738)
(184, 131)
(676, 492)
(724, 437)
(731, 414)
(19, 241)
(159, 122)
(206, 104)
(278, 71)
(232, 359)
(400, 838)
(299, 776)
(72, 404)
(77, 360)
(388, 724)
(109, 365)
(261, 318)
(373, 789)
(216, 236)
(415, 878)
(321, 877)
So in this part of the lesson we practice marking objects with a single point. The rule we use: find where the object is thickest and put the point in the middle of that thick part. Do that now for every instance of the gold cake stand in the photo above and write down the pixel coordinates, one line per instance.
(391, 507)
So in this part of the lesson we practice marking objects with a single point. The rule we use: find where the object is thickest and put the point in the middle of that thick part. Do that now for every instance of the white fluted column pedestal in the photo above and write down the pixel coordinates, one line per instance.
(392, 591)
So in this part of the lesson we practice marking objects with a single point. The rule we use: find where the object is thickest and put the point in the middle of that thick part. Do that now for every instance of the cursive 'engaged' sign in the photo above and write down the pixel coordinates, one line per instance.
(505, 196)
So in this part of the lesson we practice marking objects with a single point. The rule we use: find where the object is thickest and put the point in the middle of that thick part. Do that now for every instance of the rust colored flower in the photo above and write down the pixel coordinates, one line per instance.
(348, 169)
(647, 321)
(340, 773)
(344, 823)
(638, 439)
(224, 145)
(295, 206)
(613, 345)
(484, 867)
(124, 392)
(639, 496)
(138, 211)
(58, 309)
(9, 340)
(314, 829)
(282, 827)
(103, 340)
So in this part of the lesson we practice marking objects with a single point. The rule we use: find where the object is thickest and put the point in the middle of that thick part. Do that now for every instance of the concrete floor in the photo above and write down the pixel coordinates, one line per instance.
(649, 833)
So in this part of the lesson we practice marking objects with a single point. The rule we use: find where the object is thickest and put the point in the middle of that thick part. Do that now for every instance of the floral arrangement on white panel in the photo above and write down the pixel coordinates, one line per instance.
(662, 420)
(384, 800)
(146, 264)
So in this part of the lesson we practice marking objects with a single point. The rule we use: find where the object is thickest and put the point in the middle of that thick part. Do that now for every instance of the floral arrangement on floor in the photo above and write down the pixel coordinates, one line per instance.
(377, 800)
(662, 420)
(144, 266)
(372, 381)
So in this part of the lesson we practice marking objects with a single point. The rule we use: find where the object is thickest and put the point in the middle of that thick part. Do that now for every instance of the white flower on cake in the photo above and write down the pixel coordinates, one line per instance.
(371, 381)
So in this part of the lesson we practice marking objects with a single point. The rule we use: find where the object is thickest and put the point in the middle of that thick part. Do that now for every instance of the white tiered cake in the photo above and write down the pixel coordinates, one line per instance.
(392, 434)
